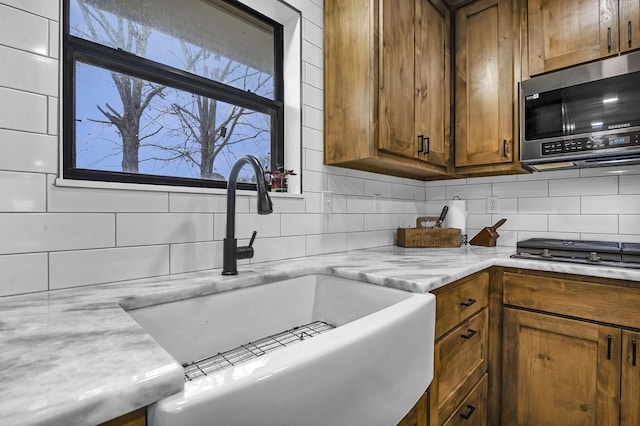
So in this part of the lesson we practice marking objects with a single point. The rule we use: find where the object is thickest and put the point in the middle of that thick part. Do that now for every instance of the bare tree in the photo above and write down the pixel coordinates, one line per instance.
(200, 120)
(135, 94)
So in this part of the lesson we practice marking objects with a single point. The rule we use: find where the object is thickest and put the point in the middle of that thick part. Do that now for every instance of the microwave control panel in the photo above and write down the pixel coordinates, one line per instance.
(590, 144)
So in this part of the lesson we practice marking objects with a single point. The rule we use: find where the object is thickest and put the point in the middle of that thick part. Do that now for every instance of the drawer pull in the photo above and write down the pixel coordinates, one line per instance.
(469, 335)
(467, 416)
(634, 356)
(469, 302)
(609, 346)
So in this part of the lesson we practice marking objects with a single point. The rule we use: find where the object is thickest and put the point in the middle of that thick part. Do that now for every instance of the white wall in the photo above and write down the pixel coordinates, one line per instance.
(588, 204)
(54, 237)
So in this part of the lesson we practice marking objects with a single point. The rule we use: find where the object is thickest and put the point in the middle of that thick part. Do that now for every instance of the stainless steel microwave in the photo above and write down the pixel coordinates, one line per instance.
(586, 116)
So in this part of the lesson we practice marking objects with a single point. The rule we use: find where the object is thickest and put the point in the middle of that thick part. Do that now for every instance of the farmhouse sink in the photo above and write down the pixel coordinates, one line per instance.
(312, 350)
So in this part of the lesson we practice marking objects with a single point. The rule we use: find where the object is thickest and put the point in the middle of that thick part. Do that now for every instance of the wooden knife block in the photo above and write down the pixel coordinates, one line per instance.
(420, 237)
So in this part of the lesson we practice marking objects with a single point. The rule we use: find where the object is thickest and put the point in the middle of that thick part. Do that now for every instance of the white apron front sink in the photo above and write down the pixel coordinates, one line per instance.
(368, 370)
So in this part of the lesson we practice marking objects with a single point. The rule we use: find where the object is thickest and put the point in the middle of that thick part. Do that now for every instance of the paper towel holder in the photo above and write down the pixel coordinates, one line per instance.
(464, 238)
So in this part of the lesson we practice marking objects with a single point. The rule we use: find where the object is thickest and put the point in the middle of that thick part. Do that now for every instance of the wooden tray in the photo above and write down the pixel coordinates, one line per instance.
(420, 237)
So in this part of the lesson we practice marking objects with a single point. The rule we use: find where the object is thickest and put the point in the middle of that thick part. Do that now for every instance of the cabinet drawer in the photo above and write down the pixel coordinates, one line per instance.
(461, 357)
(454, 305)
(610, 304)
(472, 411)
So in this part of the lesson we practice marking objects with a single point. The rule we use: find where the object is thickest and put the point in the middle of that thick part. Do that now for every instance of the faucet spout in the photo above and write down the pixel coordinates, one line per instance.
(231, 251)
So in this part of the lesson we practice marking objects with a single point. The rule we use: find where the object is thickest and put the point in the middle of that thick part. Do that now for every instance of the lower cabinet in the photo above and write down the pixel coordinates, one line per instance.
(458, 392)
(134, 418)
(570, 350)
(559, 370)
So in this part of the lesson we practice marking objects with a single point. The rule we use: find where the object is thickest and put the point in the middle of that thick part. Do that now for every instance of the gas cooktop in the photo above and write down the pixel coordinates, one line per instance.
(604, 253)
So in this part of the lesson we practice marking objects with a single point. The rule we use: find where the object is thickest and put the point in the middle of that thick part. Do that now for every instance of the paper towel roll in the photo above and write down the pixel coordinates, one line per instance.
(457, 215)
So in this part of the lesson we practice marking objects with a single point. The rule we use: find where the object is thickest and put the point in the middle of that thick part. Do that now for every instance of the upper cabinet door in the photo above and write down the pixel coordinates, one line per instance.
(484, 84)
(569, 32)
(629, 25)
(397, 77)
(433, 82)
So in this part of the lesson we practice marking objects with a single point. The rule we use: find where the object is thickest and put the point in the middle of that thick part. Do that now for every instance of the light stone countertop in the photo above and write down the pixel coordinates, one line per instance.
(75, 357)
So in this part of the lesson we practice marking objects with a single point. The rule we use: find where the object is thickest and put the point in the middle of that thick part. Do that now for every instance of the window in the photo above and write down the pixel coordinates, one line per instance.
(166, 92)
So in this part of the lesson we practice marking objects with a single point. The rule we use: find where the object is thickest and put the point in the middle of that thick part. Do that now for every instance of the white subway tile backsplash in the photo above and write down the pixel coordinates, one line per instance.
(522, 222)
(340, 203)
(13, 22)
(550, 205)
(54, 37)
(372, 187)
(22, 111)
(84, 267)
(314, 181)
(525, 235)
(22, 192)
(205, 203)
(630, 224)
(312, 54)
(630, 184)
(40, 232)
(312, 139)
(435, 193)
(284, 205)
(345, 185)
(467, 192)
(312, 75)
(270, 249)
(521, 189)
(611, 204)
(392, 205)
(402, 191)
(419, 193)
(605, 224)
(584, 186)
(69, 199)
(312, 117)
(312, 33)
(28, 71)
(23, 273)
(47, 8)
(362, 240)
(52, 118)
(303, 224)
(312, 96)
(345, 223)
(359, 204)
(137, 229)
(28, 152)
(265, 225)
(189, 257)
(326, 243)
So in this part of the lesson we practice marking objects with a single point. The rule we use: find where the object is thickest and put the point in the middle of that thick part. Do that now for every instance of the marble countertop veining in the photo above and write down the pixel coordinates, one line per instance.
(74, 356)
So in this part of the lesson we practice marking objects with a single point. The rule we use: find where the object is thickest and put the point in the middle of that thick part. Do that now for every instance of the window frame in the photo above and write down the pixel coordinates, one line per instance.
(76, 49)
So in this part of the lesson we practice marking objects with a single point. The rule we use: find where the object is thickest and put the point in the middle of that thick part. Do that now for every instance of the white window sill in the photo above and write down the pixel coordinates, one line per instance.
(121, 186)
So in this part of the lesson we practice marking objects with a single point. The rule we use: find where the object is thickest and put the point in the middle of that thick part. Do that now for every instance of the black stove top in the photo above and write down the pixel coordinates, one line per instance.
(605, 253)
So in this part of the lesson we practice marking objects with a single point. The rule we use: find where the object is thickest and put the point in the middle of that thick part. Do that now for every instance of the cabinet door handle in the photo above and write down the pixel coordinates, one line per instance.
(428, 145)
(634, 353)
(609, 38)
(469, 302)
(421, 139)
(609, 346)
(629, 32)
(505, 147)
(469, 413)
(469, 335)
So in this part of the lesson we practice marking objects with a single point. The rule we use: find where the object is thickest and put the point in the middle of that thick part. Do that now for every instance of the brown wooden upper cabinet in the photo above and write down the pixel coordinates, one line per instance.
(629, 25)
(387, 86)
(484, 87)
(570, 32)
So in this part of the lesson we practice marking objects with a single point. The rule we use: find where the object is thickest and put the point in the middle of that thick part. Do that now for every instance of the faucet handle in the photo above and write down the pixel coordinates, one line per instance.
(246, 252)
